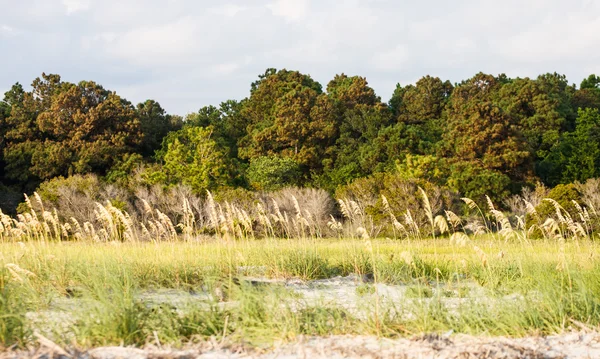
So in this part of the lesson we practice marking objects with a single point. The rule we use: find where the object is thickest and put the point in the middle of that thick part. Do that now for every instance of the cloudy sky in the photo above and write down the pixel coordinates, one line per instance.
(191, 53)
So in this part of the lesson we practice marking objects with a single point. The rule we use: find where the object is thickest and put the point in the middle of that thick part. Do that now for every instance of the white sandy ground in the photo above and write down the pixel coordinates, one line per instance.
(582, 345)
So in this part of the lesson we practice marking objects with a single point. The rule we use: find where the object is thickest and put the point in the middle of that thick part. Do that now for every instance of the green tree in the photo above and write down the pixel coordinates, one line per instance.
(588, 95)
(155, 124)
(577, 156)
(227, 121)
(193, 158)
(4, 113)
(420, 113)
(483, 138)
(425, 101)
(281, 121)
(537, 114)
(591, 82)
(60, 128)
(22, 133)
(357, 115)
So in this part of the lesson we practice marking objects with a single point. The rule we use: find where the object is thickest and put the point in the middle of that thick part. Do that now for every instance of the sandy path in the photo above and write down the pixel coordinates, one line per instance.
(571, 346)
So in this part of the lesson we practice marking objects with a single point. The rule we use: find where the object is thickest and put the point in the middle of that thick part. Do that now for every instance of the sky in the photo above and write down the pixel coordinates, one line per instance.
(191, 53)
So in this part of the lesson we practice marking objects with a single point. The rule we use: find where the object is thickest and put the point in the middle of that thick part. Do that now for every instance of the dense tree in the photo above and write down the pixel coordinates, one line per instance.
(420, 113)
(193, 158)
(357, 115)
(485, 135)
(425, 101)
(4, 113)
(23, 135)
(227, 121)
(61, 128)
(576, 157)
(538, 115)
(155, 124)
(591, 82)
(481, 135)
(281, 122)
(588, 95)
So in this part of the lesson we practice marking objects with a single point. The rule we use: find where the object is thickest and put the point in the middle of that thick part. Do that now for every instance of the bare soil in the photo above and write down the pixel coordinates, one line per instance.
(571, 345)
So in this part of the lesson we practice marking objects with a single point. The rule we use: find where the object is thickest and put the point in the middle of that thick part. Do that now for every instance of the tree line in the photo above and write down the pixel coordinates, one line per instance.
(485, 135)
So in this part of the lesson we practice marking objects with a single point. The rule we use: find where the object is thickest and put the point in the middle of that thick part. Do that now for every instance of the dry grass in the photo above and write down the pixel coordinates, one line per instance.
(294, 213)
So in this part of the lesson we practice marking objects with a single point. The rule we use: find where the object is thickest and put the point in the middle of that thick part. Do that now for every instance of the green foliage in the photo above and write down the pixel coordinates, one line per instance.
(486, 135)
(430, 168)
(359, 116)
(273, 173)
(536, 112)
(577, 156)
(402, 194)
(474, 181)
(193, 158)
(228, 124)
(155, 124)
(564, 195)
(4, 113)
(52, 190)
(122, 170)
(281, 120)
(591, 82)
(61, 128)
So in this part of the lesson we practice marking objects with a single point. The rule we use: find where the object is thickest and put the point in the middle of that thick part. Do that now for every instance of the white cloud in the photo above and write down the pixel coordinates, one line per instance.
(291, 10)
(229, 10)
(390, 60)
(566, 38)
(169, 44)
(73, 6)
(188, 53)
(5, 29)
(226, 68)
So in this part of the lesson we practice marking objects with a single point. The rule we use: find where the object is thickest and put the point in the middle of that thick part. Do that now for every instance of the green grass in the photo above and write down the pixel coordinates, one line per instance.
(543, 287)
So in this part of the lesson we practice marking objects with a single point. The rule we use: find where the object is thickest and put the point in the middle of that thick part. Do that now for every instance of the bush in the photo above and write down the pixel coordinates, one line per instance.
(238, 197)
(476, 182)
(273, 173)
(168, 200)
(402, 194)
(317, 202)
(564, 194)
(121, 171)
(517, 204)
(590, 193)
(76, 197)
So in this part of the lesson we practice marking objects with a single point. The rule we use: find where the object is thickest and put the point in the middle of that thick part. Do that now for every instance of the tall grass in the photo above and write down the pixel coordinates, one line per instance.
(529, 274)
(515, 289)
(312, 217)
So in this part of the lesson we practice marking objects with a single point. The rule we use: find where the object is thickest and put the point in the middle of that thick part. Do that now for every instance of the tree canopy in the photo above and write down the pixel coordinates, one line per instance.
(487, 135)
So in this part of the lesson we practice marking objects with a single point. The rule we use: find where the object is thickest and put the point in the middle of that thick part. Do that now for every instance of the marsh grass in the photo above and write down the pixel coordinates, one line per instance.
(537, 287)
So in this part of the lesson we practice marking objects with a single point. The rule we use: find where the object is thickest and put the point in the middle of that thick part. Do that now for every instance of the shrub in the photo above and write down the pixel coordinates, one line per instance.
(402, 194)
(476, 182)
(193, 158)
(315, 201)
(121, 171)
(564, 194)
(168, 200)
(76, 197)
(517, 204)
(590, 193)
(273, 173)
